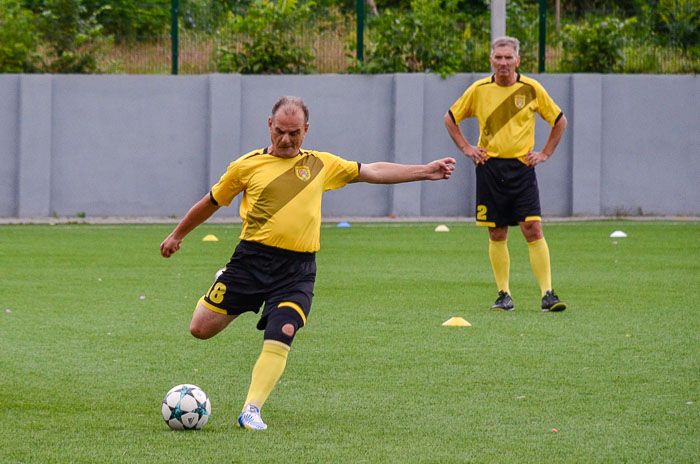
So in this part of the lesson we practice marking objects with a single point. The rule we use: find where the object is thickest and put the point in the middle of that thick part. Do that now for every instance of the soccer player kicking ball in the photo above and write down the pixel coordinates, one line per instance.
(274, 266)
(505, 104)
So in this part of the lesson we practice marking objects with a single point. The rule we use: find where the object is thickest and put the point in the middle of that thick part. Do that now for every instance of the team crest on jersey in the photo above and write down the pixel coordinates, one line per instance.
(303, 172)
(520, 101)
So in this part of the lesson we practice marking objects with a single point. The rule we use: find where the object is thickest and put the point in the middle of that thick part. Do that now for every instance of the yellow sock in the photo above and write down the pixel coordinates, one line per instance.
(267, 371)
(500, 263)
(539, 260)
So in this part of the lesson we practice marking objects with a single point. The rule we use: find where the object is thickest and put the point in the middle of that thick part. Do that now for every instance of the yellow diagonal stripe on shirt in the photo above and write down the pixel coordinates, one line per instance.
(506, 111)
(280, 192)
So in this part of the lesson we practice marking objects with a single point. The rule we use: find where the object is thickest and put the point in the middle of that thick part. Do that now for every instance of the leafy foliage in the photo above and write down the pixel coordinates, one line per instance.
(522, 22)
(471, 6)
(426, 38)
(442, 36)
(207, 15)
(680, 20)
(73, 37)
(266, 39)
(596, 45)
(18, 38)
(130, 19)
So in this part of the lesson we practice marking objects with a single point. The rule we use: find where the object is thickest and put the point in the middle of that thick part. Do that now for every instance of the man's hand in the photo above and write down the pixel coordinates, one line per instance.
(200, 212)
(533, 158)
(169, 246)
(441, 169)
(478, 155)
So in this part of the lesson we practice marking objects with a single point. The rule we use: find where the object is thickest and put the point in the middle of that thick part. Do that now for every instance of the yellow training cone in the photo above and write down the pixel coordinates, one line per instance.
(456, 322)
(210, 238)
(442, 228)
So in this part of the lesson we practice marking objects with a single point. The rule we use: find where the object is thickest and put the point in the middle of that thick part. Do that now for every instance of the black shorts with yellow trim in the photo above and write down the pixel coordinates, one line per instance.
(262, 276)
(506, 193)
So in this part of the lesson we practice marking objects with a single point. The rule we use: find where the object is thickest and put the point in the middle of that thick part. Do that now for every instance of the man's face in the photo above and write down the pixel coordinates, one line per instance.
(287, 131)
(504, 62)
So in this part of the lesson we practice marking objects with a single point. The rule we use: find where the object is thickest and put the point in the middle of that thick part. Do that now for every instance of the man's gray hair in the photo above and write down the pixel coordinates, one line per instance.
(291, 101)
(506, 41)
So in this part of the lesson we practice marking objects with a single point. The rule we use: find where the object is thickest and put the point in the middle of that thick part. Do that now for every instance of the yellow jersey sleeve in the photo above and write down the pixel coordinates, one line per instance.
(465, 106)
(339, 172)
(231, 183)
(546, 107)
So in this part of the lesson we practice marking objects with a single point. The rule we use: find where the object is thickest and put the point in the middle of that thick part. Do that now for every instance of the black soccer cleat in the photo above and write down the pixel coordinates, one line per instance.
(504, 302)
(550, 302)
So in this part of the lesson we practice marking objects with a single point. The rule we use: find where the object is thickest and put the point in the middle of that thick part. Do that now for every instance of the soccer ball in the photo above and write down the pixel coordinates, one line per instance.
(218, 273)
(186, 407)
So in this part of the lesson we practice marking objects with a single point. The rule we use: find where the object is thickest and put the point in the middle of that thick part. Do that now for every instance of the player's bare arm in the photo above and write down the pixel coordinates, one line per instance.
(200, 212)
(392, 173)
(474, 153)
(534, 158)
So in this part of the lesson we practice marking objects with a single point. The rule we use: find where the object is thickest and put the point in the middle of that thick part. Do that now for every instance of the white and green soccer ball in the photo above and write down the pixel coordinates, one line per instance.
(186, 407)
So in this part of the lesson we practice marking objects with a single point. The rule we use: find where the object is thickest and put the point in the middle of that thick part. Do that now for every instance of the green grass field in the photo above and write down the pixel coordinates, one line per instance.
(94, 331)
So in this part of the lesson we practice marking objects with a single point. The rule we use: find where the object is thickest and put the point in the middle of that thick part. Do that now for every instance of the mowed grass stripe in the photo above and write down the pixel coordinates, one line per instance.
(94, 331)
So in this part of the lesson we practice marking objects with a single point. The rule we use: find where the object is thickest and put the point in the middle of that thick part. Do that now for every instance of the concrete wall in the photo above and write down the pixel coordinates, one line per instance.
(154, 145)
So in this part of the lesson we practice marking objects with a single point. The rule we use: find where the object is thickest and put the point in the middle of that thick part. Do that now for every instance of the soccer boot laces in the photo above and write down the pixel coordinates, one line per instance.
(504, 302)
(551, 302)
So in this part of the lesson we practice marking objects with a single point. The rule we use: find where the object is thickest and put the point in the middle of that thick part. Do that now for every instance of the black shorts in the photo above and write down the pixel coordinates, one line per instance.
(506, 193)
(260, 274)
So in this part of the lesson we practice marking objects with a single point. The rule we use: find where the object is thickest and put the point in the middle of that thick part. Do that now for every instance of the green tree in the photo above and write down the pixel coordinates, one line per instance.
(581, 8)
(73, 38)
(596, 45)
(130, 19)
(430, 37)
(679, 20)
(207, 15)
(267, 39)
(523, 23)
(18, 38)
(466, 6)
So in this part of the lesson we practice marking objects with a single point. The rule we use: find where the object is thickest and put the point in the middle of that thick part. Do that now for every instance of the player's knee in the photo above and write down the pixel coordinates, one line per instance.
(282, 325)
(198, 331)
(498, 234)
(201, 330)
(532, 230)
(289, 329)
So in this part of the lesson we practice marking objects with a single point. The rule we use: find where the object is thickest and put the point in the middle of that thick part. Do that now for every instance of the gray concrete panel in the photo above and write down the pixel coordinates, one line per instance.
(9, 144)
(154, 145)
(125, 145)
(585, 126)
(651, 145)
(224, 130)
(408, 140)
(34, 179)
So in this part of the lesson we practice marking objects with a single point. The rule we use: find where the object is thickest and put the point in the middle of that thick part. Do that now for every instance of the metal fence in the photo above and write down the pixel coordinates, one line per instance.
(145, 42)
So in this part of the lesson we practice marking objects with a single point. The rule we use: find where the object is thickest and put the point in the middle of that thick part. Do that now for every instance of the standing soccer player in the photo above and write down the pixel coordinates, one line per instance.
(505, 104)
(274, 264)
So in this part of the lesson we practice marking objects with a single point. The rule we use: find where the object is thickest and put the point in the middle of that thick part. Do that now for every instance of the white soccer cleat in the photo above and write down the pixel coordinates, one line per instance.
(250, 419)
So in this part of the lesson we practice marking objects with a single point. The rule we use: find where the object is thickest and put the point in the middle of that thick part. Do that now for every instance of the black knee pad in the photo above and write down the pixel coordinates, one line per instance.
(276, 320)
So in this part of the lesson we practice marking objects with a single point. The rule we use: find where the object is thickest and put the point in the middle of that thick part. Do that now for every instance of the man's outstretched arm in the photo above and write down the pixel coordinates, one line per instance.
(392, 173)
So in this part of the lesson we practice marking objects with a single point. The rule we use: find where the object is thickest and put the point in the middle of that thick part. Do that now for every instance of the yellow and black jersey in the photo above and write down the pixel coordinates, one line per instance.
(281, 204)
(506, 114)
